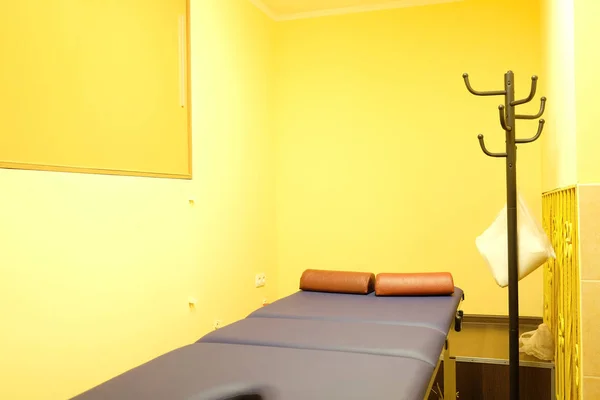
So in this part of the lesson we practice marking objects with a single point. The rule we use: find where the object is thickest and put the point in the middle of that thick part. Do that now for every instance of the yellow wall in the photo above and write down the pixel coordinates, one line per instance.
(356, 132)
(559, 142)
(96, 271)
(378, 164)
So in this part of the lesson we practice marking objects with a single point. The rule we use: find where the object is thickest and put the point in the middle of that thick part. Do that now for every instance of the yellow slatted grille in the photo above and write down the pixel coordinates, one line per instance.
(561, 289)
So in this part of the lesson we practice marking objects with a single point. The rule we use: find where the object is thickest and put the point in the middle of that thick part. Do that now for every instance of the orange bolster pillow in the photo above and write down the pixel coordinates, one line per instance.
(315, 280)
(414, 284)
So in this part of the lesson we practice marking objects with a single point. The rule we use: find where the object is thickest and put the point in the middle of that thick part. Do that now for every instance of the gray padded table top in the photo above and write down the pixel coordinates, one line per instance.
(416, 342)
(194, 371)
(436, 312)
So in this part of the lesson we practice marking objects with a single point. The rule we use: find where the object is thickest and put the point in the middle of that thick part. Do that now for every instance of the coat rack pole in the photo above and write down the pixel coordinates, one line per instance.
(513, 260)
(508, 119)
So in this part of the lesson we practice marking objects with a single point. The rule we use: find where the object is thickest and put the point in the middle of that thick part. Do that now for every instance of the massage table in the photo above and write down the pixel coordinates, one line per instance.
(309, 345)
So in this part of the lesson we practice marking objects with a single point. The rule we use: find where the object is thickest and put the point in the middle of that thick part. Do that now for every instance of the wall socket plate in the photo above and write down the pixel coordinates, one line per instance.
(260, 280)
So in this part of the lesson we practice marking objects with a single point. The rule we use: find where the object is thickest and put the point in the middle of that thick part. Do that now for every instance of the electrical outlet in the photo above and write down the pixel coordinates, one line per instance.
(260, 280)
(217, 324)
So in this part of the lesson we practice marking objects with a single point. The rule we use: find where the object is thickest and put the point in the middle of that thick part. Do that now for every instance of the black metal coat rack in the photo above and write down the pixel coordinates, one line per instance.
(507, 121)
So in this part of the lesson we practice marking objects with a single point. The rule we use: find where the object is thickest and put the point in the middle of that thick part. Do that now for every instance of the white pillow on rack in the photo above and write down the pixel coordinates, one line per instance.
(534, 247)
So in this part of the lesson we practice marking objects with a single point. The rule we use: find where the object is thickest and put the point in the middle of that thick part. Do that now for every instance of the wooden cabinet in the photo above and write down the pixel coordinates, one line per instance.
(485, 381)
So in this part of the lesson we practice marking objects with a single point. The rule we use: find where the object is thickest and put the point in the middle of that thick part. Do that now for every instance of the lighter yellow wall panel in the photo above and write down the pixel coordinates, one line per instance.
(559, 141)
(587, 57)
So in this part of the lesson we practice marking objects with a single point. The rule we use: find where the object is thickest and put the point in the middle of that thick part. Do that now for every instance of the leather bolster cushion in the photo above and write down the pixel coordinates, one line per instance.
(414, 284)
(315, 280)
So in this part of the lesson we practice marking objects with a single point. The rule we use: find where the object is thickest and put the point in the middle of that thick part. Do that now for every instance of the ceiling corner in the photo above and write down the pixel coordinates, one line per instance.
(265, 9)
(336, 7)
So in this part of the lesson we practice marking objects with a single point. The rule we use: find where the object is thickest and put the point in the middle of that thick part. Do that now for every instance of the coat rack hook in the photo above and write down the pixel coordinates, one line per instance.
(537, 135)
(485, 150)
(536, 116)
(503, 119)
(479, 93)
(534, 79)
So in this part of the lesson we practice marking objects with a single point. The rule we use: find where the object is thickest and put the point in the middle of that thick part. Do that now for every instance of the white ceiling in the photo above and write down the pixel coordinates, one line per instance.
(295, 9)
